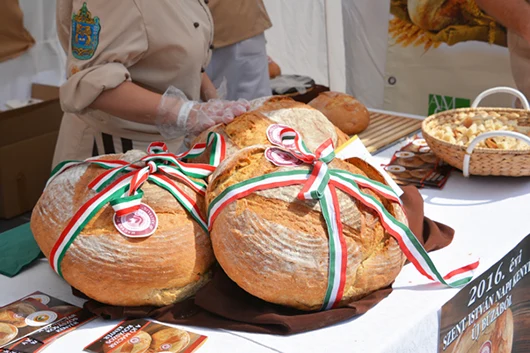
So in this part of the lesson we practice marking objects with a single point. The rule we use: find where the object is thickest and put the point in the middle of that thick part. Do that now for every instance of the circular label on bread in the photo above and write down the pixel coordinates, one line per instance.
(273, 134)
(138, 224)
(281, 158)
(486, 347)
(134, 340)
(41, 318)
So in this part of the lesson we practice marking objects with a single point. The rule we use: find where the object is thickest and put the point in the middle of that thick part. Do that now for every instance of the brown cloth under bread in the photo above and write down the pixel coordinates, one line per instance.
(222, 304)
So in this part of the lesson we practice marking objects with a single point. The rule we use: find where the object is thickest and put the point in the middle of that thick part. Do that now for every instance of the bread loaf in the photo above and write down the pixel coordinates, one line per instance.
(346, 112)
(166, 267)
(250, 128)
(275, 246)
(274, 68)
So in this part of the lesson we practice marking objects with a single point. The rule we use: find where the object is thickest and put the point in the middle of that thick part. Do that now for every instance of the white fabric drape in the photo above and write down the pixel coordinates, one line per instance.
(44, 63)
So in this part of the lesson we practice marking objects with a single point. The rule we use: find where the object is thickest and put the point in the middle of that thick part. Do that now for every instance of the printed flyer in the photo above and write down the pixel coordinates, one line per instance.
(492, 313)
(143, 336)
(30, 324)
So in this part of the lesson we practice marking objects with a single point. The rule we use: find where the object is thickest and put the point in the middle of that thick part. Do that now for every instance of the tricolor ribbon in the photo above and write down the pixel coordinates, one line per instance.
(320, 183)
(120, 185)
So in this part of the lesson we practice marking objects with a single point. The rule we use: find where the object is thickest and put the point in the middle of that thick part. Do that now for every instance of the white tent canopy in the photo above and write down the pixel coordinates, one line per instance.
(342, 44)
(307, 38)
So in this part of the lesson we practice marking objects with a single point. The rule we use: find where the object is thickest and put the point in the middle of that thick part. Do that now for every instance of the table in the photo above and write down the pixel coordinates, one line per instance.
(490, 216)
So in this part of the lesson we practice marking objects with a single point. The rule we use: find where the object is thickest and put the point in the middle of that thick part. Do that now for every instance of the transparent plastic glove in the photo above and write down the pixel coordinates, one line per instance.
(222, 90)
(177, 116)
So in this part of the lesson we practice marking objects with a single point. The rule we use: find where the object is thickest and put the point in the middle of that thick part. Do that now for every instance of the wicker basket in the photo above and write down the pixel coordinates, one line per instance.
(483, 161)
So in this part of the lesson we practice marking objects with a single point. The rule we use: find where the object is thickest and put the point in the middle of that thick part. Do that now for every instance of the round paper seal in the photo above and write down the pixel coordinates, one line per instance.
(486, 347)
(404, 154)
(395, 168)
(281, 158)
(165, 346)
(41, 318)
(43, 299)
(273, 133)
(139, 224)
(134, 340)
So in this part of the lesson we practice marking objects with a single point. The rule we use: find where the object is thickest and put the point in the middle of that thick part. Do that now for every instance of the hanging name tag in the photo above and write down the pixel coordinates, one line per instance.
(139, 224)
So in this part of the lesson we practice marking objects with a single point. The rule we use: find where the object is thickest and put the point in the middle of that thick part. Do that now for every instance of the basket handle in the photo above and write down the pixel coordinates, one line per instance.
(482, 137)
(509, 90)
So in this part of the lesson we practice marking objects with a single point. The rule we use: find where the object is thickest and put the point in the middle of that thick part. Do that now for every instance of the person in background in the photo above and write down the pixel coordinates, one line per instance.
(239, 54)
(515, 16)
(135, 75)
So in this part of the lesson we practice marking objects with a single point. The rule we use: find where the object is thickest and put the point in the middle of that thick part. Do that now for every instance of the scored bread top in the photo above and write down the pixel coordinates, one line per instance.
(163, 268)
(250, 128)
(275, 246)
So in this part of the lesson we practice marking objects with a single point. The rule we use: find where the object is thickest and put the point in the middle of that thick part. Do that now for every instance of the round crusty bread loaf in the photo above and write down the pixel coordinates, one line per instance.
(346, 112)
(166, 267)
(251, 128)
(275, 246)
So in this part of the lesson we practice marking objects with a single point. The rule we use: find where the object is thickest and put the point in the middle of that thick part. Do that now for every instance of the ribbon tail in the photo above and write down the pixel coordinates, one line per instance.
(408, 243)
(337, 249)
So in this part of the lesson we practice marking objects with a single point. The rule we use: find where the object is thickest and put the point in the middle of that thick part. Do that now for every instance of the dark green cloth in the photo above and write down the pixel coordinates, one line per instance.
(18, 248)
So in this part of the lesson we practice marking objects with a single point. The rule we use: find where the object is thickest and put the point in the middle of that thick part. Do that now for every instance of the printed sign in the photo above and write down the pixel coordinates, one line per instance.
(441, 55)
(492, 313)
(415, 164)
(146, 336)
(438, 103)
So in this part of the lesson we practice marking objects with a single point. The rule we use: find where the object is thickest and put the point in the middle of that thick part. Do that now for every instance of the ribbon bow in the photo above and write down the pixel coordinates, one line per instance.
(320, 183)
(121, 185)
(290, 140)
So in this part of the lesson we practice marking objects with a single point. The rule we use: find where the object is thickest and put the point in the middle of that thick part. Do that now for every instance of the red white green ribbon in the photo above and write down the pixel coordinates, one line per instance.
(320, 183)
(121, 186)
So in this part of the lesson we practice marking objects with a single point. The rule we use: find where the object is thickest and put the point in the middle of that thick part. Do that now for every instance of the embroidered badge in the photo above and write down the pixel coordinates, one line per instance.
(85, 34)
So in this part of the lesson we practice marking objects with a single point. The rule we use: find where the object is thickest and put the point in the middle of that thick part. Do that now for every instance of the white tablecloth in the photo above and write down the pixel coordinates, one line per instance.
(490, 216)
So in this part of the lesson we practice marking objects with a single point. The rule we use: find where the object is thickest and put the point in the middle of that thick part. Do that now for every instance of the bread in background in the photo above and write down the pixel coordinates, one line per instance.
(343, 110)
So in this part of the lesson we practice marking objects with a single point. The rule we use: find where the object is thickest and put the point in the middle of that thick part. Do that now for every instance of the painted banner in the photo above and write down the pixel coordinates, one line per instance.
(441, 55)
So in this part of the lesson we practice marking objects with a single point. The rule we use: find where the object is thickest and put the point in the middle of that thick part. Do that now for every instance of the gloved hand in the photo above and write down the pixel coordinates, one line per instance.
(177, 116)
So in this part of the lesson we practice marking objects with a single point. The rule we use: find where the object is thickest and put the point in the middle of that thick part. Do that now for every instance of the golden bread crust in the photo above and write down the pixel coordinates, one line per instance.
(276, 247)
(344, 111)
(166, 267)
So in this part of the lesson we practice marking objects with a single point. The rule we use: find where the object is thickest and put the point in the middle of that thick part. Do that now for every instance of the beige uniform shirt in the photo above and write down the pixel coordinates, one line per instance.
(237, 20)
(153, 43)
(520, 60)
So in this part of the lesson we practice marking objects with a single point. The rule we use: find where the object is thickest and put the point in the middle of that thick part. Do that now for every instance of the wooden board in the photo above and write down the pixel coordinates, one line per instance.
(386, 129)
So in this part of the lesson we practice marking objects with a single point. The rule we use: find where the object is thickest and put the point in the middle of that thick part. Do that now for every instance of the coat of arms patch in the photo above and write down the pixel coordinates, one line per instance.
(85, 34)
